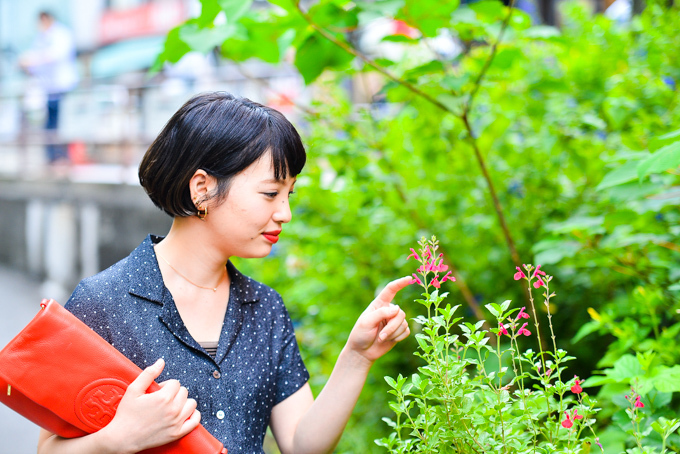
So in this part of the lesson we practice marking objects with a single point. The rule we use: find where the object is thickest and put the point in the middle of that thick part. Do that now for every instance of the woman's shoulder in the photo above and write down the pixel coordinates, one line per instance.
(118, 278)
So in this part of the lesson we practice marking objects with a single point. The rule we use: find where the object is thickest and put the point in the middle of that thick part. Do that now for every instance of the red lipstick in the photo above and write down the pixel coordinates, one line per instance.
(272, 236)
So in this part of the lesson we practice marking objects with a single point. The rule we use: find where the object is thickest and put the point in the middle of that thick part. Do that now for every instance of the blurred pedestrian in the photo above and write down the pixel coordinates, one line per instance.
(52, 60)
(224, 168)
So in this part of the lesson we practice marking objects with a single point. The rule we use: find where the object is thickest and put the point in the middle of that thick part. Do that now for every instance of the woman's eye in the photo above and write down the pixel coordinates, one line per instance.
(271, 195)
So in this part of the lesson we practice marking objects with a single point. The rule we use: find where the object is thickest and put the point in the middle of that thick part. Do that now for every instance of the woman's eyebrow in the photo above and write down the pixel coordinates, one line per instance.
(275, 181)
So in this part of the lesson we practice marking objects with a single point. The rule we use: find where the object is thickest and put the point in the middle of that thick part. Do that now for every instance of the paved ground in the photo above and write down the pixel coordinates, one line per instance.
(19, 302)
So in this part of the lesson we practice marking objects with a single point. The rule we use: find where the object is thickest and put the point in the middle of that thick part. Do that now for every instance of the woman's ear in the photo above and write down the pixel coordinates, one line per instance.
(201, 185)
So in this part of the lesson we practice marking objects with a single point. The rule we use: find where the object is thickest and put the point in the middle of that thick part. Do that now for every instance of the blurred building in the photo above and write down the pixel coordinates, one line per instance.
(63, 223)
(117, 109)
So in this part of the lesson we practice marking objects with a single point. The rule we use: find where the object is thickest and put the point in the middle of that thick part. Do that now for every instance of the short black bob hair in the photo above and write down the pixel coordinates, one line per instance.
(221, 134)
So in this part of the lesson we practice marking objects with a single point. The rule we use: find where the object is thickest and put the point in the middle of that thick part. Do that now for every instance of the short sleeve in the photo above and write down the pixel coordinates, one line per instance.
(291, 371)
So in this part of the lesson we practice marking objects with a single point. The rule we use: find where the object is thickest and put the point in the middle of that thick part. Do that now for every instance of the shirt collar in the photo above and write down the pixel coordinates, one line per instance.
(146, 280)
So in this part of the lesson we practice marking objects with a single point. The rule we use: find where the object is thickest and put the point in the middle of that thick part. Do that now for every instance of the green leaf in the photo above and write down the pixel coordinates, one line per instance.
(264, 40)
(316, 54)
(506, 57)
(434, 66)
(331, 16)
(173, 49)
(400, 39)
(592, 224)
(625, 367)
(209, 11)
(548, 252)
(372, 10)
(428, 16)
(205, 39)
(488, 11)
(585, 329)
(663, 140)
(234, 9)
(390, 381)
(665, 158)
(286, 5)
(667, 379)
(623, 174)
(455, 82)
(453, 103)
(490, 308)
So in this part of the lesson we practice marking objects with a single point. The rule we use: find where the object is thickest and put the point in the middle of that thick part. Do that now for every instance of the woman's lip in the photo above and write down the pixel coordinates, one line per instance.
(273, 236)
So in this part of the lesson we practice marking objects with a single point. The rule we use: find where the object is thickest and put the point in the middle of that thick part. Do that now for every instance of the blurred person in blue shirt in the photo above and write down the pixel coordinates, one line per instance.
(52, 60)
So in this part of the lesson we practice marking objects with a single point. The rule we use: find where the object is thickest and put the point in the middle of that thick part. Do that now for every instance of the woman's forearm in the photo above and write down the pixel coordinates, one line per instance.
(95, 443)
(319, 430)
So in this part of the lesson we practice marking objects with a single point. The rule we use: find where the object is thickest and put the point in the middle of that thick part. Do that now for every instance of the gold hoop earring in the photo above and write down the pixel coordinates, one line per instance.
(201, 210)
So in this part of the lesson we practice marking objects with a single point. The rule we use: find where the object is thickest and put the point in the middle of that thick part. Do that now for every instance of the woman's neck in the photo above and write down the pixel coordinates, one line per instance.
(188, 252)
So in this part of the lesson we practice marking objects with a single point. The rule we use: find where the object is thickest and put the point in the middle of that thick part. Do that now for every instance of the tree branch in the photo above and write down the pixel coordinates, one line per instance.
(487, 63)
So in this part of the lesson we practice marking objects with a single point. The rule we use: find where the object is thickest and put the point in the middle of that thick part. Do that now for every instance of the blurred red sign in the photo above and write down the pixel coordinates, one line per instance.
(149, 19)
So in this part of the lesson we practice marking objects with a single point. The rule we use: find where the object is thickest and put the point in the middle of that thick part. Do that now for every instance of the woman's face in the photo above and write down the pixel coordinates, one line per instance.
(251, 217)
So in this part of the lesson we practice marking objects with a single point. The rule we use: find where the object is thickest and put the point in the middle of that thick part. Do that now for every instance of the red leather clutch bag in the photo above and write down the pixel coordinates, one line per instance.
(63, 376)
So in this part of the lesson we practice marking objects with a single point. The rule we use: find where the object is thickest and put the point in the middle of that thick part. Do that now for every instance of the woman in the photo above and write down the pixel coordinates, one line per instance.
(221, 344)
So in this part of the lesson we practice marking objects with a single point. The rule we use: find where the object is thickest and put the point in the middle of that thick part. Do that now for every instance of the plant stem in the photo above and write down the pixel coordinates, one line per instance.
(492, 190)
(487, 63)
(500, 389)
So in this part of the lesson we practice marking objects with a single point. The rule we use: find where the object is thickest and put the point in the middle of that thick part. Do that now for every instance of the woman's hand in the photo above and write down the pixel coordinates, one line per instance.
(144, 420)
(381, 325)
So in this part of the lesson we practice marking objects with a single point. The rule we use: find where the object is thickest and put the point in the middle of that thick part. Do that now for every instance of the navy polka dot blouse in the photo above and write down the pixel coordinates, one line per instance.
(257, 364)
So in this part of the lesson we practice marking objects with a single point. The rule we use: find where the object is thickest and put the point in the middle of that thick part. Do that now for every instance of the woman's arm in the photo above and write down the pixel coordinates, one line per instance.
(303, 425)
(142, 420)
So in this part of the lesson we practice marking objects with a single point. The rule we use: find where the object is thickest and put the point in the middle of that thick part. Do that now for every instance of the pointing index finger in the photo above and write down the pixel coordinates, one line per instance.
(387, 294)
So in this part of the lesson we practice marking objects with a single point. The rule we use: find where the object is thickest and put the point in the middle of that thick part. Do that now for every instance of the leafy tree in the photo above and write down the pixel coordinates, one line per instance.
(526, 146)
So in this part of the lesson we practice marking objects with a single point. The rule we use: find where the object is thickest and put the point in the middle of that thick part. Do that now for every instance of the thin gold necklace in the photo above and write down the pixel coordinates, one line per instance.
(214, 289)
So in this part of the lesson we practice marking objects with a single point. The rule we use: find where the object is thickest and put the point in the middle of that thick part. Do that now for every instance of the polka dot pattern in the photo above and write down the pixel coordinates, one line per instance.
(257, 364)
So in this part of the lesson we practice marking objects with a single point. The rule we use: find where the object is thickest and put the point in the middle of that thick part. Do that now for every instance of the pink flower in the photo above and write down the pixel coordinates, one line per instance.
(414, 255)
(597, 442)
(539, 283)
(502, 329)
(522, 314)
(638, 404)
(524, 331)
(449, 277)
(567, 423)
(435, 282)
(538, 271)
(416, 280)
(519, 274)
(576, 387)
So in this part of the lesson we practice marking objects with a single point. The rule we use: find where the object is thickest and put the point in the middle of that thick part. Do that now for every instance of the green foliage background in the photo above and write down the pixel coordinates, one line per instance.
(565, 121)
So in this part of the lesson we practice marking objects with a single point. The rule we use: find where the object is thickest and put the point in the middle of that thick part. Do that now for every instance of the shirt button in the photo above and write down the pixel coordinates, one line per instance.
(217, 374)
(220, 414)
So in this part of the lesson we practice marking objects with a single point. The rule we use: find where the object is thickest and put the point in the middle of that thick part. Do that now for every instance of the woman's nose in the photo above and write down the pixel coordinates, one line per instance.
(283, 214)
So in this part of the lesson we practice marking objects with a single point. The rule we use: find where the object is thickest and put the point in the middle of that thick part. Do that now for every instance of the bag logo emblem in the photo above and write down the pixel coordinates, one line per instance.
(97, 403)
